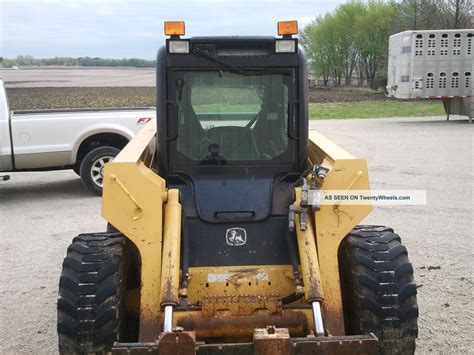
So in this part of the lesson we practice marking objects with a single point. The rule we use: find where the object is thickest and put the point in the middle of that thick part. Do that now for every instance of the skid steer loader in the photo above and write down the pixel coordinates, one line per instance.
(217, 240)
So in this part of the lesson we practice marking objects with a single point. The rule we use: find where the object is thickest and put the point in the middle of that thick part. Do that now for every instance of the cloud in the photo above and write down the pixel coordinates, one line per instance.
(128, 28)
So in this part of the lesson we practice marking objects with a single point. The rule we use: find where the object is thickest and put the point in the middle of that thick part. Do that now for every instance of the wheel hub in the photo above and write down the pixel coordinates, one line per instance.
(97, 170)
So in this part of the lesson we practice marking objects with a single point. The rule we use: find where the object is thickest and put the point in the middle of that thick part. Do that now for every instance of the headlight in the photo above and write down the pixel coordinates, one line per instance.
(178, 46)
(285, 46)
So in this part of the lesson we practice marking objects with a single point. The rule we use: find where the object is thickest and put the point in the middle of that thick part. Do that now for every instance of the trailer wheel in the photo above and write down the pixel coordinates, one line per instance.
(91, 289)
(379, 293)
(92, 167)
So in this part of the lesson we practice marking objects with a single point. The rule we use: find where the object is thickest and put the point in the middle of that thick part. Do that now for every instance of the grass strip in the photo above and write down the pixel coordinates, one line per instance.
(373, 109)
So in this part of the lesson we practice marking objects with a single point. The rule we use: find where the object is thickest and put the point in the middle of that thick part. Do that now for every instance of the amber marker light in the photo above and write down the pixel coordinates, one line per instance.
(287, 28)
(174, 28)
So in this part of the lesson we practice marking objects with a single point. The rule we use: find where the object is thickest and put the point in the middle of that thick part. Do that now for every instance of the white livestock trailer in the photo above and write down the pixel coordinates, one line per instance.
(433, 64)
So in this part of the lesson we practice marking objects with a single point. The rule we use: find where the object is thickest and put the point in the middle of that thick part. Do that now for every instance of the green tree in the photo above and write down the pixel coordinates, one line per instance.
(329, 46)
(346, 16)
(433, 14)
(353, 38)
(457, 13)
(373, 31)
(418, 14)
(316, 44)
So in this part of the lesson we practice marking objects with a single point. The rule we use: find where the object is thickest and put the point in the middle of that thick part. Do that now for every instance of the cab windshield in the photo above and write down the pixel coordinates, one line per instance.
(226, 117)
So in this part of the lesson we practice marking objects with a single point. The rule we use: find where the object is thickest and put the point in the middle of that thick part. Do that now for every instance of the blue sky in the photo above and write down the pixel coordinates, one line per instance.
(134, 28)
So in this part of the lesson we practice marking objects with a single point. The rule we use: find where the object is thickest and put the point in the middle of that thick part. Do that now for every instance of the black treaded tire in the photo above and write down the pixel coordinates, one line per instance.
(91, 291)
(89, 162)
(379, 292)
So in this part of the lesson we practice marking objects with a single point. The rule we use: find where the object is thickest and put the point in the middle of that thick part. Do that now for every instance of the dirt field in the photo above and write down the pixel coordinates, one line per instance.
(30, 89)
(323, 95)
(78, 77)
(41, 212)
(55, 98)
(80, 97)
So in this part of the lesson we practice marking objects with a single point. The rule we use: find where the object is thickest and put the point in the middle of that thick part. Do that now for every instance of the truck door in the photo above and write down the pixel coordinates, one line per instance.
(5, 146)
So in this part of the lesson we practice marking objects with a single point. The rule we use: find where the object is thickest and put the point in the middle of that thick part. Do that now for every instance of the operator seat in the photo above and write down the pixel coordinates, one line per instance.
(190, 133)
(236, 143)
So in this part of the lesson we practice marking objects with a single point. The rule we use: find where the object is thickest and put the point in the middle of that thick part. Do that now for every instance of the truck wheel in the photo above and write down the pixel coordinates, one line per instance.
(91, 289)
(92, 167)
(379, 293)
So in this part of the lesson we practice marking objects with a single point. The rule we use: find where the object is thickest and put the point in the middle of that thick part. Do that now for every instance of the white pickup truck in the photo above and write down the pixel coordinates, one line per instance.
(82, 140)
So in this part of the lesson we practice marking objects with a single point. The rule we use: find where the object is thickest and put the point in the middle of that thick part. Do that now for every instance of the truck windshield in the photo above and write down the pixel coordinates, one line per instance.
(225, 117)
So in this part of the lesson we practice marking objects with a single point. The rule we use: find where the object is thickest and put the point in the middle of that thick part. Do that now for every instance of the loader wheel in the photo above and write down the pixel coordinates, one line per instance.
(92, 167)
(91, 289)
(379, 293)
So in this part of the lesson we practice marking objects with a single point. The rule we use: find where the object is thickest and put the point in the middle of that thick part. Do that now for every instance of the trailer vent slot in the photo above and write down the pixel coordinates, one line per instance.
(442, 81)
(455, 80)
(430, 81)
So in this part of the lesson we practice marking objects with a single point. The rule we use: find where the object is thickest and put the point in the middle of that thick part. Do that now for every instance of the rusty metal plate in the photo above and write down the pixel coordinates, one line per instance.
(225, 349)
(242, 280)
(333, 345)
(135, 348)
(271, 341)
(224, 325)
(240, 305)
(336, 345)
(175, 343)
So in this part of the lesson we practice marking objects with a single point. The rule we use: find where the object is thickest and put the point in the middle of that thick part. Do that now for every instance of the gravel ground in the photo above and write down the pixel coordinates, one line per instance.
(41, 212)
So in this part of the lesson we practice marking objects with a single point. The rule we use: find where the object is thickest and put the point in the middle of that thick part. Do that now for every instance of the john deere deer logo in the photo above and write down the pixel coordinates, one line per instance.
(236, 236)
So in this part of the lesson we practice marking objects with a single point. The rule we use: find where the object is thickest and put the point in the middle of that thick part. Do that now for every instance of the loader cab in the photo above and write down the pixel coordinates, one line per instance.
(232, 137)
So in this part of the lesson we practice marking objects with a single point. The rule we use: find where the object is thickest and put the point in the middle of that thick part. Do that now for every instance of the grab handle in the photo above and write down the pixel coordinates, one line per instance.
(234, 215)
(175, 119)
(292, 121)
